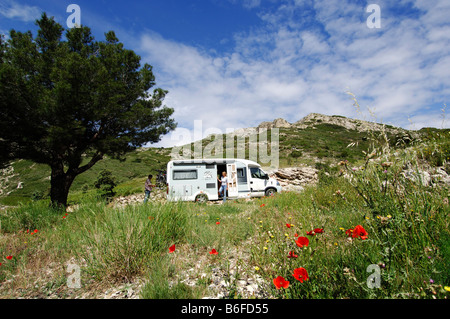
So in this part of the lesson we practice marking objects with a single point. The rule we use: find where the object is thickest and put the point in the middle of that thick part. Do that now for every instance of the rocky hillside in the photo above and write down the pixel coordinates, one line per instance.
(313, 119)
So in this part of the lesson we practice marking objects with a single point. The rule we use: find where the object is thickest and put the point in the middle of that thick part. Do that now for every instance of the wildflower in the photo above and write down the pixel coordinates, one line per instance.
(265, 248)
(64, 217)
(342, 228)
(262, 205)
(292, 254)
(300, 274)
(310, 233)
(431, 281)
(256, 268)
(9, 257)
(359, 231)
(35, 231)
(217, 223)
(213, 252)
(280, 282)
(302, 241)
(172, 248)
(295, 235)
(446, 288)
(288, 225)
(318, 230)
(286, 235)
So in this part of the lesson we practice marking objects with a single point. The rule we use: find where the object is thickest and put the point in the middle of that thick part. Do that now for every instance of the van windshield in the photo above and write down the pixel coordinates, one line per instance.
(256, 172)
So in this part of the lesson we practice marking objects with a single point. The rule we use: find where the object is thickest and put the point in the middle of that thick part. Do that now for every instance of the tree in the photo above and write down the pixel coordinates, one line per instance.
(105, 183)
(69, 102)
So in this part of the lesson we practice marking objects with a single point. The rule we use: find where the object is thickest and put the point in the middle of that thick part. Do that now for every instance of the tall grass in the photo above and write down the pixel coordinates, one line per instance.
(388, 194)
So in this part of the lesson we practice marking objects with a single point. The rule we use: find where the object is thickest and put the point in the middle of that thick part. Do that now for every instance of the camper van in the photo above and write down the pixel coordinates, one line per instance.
(197, 179)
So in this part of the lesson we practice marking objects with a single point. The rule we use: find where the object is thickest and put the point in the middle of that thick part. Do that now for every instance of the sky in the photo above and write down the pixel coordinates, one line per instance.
(229, 64)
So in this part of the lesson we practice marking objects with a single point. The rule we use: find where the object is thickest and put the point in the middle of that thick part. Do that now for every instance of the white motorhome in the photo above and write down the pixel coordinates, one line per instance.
(197, 179)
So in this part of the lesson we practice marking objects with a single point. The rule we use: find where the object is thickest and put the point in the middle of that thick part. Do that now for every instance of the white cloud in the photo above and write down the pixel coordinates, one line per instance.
(13, 10)
(291, 67)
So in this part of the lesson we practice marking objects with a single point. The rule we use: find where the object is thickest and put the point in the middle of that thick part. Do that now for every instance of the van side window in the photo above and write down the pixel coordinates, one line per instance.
(185, 174)
(242, 175)
(257, 173)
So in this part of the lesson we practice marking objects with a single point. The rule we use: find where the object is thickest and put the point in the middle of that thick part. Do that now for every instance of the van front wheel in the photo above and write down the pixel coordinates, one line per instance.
(271, 191)
(201, 198)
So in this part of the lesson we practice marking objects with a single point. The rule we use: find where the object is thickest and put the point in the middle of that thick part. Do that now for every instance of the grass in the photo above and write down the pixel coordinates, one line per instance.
(407, 224)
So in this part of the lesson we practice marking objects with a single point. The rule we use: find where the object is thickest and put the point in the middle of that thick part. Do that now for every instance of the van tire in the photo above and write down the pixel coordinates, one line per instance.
(201, 198)
(270, 191)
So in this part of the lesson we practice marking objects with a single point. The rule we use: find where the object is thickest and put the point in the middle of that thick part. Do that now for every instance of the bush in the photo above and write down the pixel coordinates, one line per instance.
(296, 153)
(105, 183)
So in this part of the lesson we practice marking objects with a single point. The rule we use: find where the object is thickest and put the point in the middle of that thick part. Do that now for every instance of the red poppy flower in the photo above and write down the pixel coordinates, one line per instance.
(35, 231)
(172, 248)
(360, 232)
(292, 254)
(288, 225)
(217, 223)
(318, 230)
(349, 232)
(64, 217)
(302, 241)
(280, 282)
(310, 233)
(300, 274)
(295, 235)
(262, 205)
(0, 264)
(9, 257)
(213, 252)
(28, 231)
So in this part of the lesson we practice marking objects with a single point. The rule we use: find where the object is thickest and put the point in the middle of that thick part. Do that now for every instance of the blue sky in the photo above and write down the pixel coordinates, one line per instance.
(236, 63)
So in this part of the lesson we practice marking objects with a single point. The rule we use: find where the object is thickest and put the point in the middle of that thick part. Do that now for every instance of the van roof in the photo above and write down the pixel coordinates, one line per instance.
(215, 161)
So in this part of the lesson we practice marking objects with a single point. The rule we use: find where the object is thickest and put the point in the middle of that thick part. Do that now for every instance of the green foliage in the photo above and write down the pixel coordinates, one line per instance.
(69, 120)
(106, 183)
(296, 153)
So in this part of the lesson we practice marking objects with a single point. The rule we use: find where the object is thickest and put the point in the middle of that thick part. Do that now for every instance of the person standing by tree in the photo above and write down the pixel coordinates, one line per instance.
(148, 188)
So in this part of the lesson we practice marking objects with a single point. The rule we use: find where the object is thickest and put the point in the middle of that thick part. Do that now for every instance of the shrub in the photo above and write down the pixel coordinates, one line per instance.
(105, 183)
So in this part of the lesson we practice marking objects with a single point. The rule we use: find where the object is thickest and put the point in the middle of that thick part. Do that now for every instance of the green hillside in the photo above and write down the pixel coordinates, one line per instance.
(130, 175)
(314, 142)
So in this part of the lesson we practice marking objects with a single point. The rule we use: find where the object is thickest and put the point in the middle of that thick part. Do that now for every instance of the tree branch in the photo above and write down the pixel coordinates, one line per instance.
(97, 157)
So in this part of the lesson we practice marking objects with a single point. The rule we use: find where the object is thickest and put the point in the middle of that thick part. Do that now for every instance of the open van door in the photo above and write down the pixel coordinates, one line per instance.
(232, 180)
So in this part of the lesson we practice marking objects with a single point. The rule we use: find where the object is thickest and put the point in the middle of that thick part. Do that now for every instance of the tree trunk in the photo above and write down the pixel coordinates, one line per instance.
(59, 185)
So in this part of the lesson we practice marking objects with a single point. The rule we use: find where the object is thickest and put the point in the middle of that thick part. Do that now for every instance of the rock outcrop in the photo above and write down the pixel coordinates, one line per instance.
(348, 123)
(277, 123)
(295, 178)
